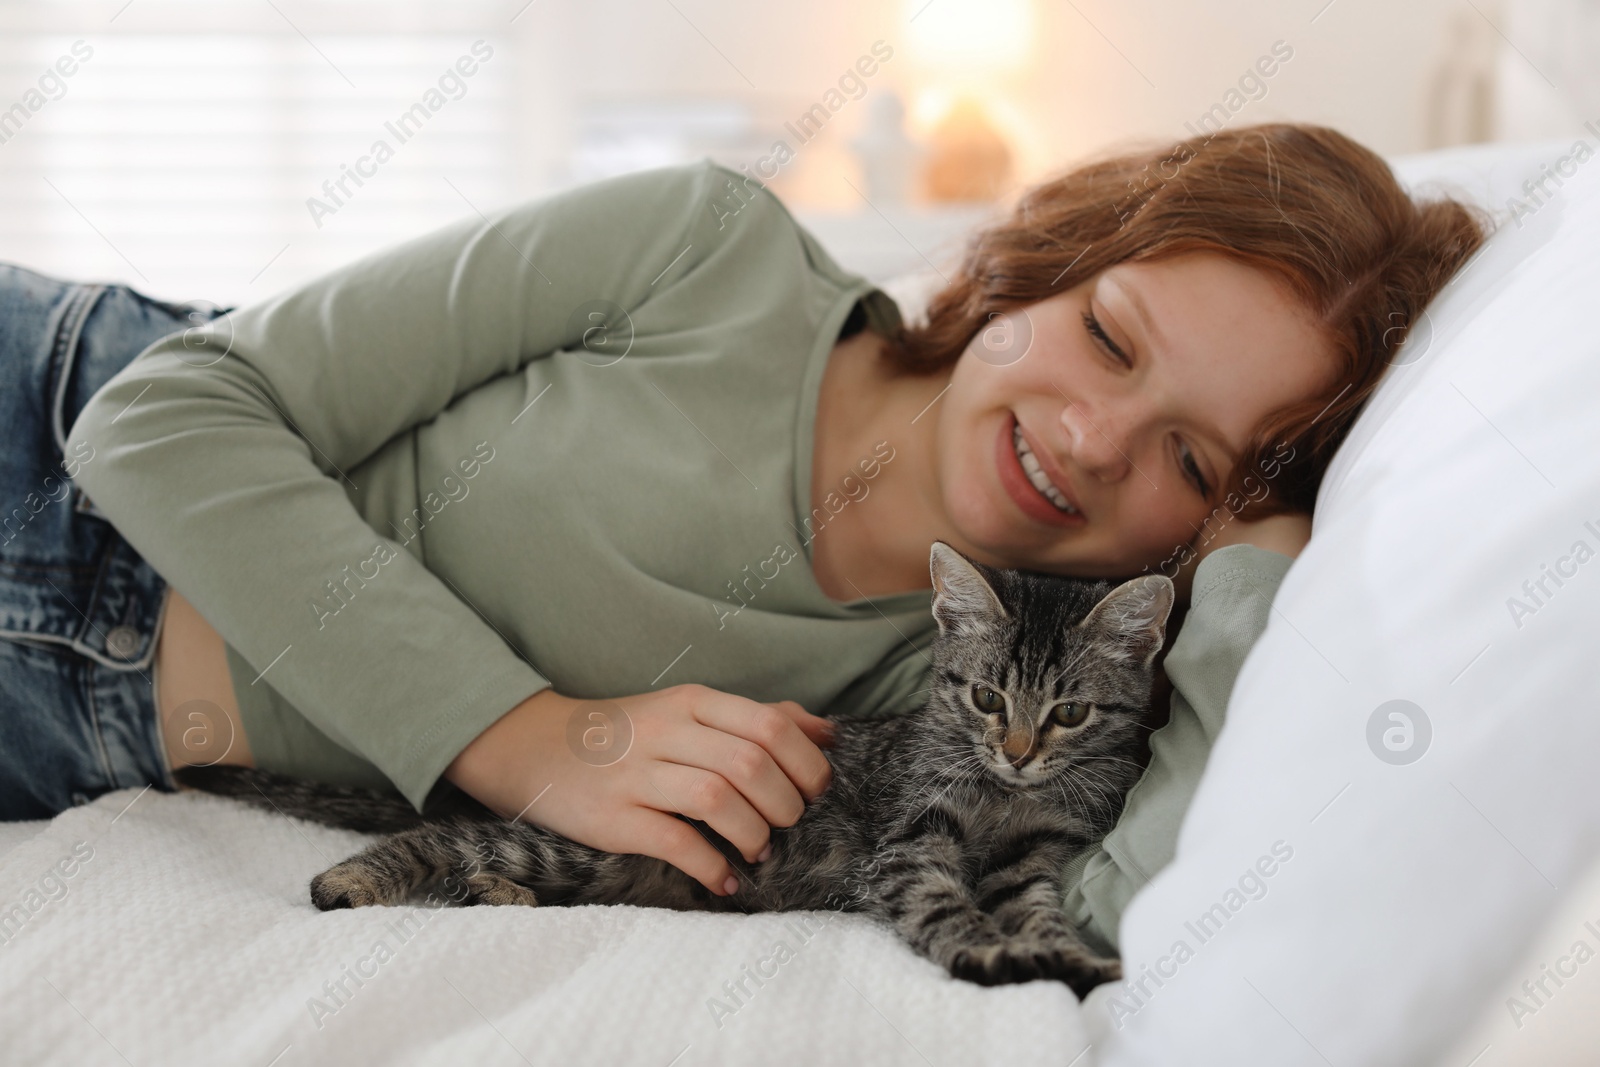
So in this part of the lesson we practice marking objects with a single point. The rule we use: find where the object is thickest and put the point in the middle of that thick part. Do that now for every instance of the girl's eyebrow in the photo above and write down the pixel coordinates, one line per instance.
(1142, 314)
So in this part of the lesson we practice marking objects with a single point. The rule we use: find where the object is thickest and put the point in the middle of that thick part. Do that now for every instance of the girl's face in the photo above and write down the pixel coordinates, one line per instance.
(1135, 392)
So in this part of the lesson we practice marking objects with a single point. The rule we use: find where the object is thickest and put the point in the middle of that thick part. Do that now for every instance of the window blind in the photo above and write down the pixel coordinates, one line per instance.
(225, 150)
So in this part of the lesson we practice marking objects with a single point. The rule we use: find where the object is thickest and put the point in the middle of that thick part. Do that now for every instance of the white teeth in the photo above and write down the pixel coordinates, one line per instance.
(1036, 475)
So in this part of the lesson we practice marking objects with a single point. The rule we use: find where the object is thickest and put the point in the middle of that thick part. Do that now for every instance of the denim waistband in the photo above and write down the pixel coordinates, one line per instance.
(67, 577)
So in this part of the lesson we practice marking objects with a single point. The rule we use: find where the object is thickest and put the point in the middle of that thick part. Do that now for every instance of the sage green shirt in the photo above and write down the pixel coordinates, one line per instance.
(567, 445)
(409, 495)
(1229, 605)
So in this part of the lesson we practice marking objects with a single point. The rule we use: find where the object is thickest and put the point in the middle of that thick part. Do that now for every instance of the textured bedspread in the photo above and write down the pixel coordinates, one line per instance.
(158, 929)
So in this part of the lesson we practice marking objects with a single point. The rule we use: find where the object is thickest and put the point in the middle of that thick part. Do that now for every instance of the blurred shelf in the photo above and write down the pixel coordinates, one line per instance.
(895, 240)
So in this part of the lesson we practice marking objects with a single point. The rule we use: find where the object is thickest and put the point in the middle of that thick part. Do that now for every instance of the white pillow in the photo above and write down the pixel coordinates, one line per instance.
(1490, 174)
(1357, 908)
(1558, 1025)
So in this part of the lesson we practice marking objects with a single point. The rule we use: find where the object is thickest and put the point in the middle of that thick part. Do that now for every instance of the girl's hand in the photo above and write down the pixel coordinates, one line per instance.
(1286, 532)
(738, 765)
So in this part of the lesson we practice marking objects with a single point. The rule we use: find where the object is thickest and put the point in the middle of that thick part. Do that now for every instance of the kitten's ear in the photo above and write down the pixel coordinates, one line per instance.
(963, 600)
(1131, 619)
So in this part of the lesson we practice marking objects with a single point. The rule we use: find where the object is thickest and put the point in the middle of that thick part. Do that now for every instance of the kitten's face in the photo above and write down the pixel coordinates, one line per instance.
(1049, 676)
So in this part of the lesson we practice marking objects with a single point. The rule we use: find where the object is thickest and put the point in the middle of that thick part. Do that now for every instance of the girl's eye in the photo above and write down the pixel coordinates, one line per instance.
(987, 700)
(1186, 460)
(1191, 470)
(1098, 332)
(1071, 714)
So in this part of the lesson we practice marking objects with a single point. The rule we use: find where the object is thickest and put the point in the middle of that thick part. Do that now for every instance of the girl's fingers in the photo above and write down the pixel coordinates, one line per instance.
(708, 796)
(777, 731)
(745, 766)
(650, 832)
(819, 730)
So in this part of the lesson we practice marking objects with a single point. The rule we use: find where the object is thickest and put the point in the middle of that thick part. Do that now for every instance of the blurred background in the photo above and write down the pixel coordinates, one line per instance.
(226, 149)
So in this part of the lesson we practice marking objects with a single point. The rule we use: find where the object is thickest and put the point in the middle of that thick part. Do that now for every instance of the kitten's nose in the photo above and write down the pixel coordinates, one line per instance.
(1018, 747)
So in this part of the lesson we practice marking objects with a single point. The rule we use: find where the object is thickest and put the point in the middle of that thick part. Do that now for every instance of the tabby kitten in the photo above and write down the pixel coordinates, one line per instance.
(953, 823)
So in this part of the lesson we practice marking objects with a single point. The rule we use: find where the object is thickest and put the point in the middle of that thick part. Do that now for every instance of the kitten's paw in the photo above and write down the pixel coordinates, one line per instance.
(486, 888)
(1005, 964)
(995, 965)
(338, 888)
(1083, 972)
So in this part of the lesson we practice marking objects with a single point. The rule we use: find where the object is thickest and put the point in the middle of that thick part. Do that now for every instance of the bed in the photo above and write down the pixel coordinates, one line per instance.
(1422, 902)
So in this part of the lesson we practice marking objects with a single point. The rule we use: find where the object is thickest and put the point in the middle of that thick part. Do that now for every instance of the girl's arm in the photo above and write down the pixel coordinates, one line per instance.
(1235, 580)
(229, 456)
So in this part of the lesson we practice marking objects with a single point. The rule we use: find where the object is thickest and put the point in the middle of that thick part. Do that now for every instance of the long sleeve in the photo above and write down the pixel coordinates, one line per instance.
(228, 455)
(1229, 607)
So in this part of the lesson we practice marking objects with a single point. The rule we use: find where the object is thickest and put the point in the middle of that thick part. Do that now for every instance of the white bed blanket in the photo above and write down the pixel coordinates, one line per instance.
(183, 934)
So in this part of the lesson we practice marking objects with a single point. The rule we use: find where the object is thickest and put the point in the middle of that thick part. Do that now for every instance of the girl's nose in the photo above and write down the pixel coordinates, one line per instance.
(1100, 439)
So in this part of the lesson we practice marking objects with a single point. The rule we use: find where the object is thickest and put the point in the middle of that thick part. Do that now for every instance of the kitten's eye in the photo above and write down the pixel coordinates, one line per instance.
(1070, 714)
(987, 700)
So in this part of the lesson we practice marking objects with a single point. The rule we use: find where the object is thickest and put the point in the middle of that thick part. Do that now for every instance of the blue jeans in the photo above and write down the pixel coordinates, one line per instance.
(80, 610)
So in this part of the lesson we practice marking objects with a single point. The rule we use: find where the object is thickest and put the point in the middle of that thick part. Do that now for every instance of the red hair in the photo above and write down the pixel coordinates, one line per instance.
(1305, 203)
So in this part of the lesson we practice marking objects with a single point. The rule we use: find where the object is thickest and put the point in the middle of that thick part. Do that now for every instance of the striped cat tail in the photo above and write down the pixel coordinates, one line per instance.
(345, 807)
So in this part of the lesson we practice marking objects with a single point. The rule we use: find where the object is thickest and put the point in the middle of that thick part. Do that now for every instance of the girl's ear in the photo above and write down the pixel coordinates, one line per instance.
(964, 602)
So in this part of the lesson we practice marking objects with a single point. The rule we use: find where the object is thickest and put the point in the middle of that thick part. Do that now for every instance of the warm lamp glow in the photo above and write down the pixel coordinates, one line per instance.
(968, 161)
(963, 35)
(932, 104)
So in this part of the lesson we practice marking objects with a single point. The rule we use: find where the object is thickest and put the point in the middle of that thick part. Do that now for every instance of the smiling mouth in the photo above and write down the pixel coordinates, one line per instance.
(1036, 475)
